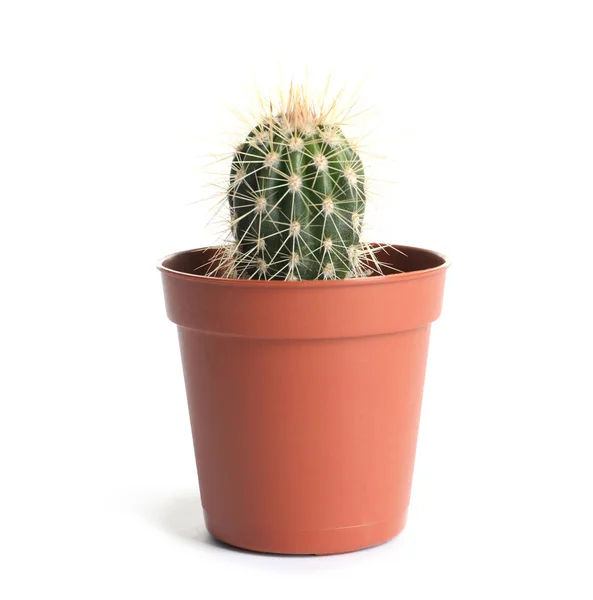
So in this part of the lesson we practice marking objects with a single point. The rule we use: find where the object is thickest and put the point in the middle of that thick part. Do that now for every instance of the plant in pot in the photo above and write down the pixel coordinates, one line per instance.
(303, 347)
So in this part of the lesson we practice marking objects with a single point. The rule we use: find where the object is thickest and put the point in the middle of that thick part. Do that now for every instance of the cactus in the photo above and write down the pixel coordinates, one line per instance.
(297, 199)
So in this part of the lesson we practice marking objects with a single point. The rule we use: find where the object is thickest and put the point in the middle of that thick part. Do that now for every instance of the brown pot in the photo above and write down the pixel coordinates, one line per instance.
(304, 399)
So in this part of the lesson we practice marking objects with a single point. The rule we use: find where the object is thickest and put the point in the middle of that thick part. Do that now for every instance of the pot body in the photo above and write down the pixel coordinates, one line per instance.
(304, 400)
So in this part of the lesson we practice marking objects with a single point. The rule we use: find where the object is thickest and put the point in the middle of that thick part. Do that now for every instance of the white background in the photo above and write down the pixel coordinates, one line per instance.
(486, 118)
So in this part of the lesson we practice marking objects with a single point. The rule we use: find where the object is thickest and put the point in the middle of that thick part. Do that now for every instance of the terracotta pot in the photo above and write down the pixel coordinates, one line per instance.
(304, 399)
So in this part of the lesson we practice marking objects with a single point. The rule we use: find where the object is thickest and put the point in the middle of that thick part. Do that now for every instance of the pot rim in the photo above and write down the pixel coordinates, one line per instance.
(300, 284)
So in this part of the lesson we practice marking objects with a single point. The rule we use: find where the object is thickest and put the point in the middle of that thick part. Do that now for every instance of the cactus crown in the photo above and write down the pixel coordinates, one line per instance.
(296, 198)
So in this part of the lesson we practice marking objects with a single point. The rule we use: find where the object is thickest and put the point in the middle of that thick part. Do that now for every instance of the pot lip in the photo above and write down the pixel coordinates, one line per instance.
(254, 283)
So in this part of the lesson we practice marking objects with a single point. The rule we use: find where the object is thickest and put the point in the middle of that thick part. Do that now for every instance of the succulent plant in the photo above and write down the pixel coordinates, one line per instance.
(297, 199)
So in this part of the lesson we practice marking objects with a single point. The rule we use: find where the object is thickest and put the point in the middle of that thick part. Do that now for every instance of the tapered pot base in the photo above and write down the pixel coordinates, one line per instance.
(320, 542)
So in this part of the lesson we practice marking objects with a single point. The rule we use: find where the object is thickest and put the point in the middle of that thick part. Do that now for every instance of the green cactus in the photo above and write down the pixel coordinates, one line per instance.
(297, 199)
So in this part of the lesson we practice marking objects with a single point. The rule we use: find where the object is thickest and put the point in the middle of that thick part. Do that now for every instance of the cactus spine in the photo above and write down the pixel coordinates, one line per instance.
(297, 198)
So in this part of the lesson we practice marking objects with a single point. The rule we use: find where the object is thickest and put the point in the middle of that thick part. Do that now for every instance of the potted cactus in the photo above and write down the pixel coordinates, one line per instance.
(303, 347)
